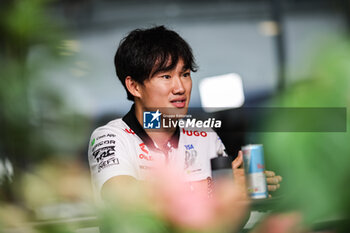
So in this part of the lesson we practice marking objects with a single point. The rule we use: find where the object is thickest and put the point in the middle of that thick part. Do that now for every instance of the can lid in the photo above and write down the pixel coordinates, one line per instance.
(251, 146)
(221, 162)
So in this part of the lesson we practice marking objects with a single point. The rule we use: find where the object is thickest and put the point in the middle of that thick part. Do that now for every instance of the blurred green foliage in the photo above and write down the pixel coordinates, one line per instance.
(35, 121)
(315, 166)
(118, 219)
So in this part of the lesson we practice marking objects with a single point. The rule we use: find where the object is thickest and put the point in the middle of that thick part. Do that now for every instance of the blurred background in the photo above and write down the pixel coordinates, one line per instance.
(58, 83)
(263, 41)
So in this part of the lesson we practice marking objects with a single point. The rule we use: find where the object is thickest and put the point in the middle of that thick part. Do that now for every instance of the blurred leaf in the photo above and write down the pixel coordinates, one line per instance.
(315, 165)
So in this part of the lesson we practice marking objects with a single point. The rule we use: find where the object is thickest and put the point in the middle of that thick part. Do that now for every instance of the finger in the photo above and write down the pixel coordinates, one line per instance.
(273, 187)
(272, 180)
(279, 178)
(269, 173)
(238, 160)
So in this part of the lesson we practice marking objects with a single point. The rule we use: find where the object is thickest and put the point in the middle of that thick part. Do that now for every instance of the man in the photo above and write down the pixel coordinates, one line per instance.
(154, 65)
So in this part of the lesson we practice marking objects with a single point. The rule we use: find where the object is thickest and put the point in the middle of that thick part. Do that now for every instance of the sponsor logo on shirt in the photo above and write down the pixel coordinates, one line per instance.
(190, 156)
(130, 131)
(190, 159)
(110, 135)
(151, 120)
(147, 157)
(194, 133)
(106, 142)
(189, 147)
(145, 154)
(109, 162)
(103, 153)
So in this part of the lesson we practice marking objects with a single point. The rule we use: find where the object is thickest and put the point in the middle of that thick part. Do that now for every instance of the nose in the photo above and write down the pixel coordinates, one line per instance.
(178, 87)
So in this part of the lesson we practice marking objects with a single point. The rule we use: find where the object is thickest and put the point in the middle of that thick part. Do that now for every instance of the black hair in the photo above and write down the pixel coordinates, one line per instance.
(145, 52)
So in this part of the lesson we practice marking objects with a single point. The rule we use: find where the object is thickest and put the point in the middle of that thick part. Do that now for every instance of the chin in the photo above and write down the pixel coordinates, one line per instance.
(182, 111)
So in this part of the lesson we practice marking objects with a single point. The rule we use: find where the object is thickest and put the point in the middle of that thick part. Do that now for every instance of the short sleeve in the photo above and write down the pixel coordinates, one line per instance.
(219, 146)
(109, 157)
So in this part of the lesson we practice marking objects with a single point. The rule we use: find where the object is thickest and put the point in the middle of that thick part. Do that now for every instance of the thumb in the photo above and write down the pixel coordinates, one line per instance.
(238, 160)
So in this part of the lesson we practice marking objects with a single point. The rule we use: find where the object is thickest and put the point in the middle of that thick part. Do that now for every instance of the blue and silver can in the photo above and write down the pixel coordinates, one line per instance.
(254, 166)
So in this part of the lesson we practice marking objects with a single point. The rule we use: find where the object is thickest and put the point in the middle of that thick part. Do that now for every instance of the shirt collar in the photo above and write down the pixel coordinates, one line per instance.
(131, 120)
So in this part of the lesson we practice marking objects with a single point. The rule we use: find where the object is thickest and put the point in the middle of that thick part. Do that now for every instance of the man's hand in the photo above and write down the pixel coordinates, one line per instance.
(272, 181)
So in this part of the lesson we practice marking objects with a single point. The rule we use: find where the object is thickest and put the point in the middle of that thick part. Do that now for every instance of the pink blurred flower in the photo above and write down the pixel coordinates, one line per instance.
(187, 204)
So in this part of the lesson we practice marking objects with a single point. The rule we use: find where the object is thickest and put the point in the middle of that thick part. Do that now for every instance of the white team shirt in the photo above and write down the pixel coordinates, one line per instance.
(118, 148)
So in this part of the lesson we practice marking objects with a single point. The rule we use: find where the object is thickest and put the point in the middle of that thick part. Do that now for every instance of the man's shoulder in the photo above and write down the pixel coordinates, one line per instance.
(113, 128)
(112, 133)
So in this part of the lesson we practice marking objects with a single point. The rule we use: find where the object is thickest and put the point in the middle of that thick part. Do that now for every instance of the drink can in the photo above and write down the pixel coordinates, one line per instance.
(254, 167)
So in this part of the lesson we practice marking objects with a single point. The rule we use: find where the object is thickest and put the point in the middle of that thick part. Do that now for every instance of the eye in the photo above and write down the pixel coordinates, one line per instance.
(166, 76)
(187, 74)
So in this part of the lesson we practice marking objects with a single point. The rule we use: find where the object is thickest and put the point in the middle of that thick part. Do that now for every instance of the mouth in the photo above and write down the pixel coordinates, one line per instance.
(179, 103)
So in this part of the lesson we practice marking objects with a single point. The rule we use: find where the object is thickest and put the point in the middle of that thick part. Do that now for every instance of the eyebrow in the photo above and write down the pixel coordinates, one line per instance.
(166, 69)
(185, 68)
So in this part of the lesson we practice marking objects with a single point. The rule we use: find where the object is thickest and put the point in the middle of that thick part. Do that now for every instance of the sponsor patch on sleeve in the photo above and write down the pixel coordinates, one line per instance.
(105, 157)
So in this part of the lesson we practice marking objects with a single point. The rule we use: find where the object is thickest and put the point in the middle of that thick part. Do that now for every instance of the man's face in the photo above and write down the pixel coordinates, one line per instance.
(168, 89)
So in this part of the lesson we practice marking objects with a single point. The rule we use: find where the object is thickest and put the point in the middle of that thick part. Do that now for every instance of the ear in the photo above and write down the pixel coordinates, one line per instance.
(133, 86)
